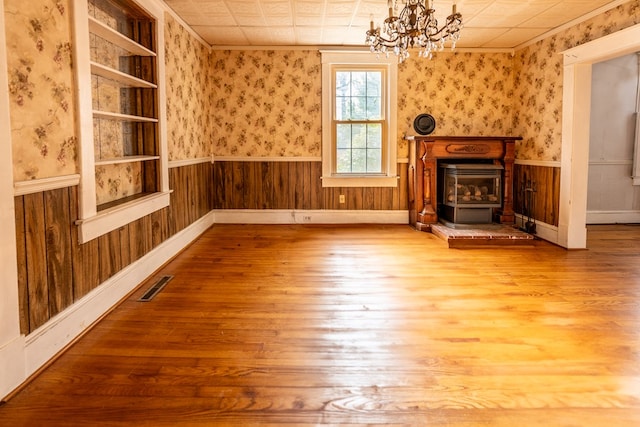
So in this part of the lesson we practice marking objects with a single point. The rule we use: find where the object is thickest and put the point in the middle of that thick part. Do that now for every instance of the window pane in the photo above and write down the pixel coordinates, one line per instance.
(373, 108)
(343, 136)
(359, 108)
(374, 135)
(374, 161)
(343, 161)
(343, 83)
(359, 161)
(359, 136)
(343, 108)
(359, 83)
(374, 82)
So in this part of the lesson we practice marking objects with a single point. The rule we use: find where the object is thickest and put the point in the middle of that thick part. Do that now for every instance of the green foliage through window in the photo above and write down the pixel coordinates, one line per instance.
(358, 120)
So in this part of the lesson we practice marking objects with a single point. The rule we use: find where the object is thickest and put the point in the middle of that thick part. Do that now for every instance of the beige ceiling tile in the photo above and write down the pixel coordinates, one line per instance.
(473, 37)
(509, 13)
(278, 7)
(309, 8)
(214, 7)
(250, 20)
(333, 35)
(514, 37)
(266, 36)
(207, 18)
(279, 21)
(308, 35)
(277, 12)
(217, 36)
(258, 36)
(307, 21)
(341, 6)
(355, 36)
(282, 36)
(244, 7)
(563, 12)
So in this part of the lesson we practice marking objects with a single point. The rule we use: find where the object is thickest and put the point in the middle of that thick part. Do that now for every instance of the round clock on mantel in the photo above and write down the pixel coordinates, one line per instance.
(424, 124)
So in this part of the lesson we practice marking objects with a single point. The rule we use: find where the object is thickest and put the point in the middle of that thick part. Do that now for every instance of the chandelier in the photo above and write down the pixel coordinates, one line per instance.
(415, 27)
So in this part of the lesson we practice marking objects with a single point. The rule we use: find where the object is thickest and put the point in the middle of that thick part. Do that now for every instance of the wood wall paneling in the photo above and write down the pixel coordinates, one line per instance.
(54, 270)
(86, 268)
(36, 260)
(23, 289)
(58, 249)
(315, 180)
(546, 199)
(296, 186)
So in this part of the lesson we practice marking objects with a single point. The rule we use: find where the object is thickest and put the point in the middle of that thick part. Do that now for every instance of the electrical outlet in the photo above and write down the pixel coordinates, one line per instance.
(306, 218)
(342, 199)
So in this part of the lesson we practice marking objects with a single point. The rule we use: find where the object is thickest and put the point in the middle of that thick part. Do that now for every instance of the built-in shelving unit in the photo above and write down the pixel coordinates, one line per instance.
(121, 78)
(124, 79)
(111, 35)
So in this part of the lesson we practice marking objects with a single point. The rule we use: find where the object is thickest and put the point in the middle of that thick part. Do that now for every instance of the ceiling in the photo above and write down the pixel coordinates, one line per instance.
(502, 24)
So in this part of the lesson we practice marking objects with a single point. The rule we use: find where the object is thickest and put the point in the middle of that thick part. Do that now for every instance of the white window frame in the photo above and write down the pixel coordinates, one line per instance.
(337, 60)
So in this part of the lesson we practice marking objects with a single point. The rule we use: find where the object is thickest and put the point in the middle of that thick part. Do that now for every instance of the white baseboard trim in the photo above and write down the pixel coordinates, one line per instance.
(12, 368)
(45, 342)
(544, 231)
(613, 217)
(288, 216)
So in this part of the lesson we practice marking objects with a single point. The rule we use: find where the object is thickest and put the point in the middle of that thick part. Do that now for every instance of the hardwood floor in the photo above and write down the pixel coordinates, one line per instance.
(351, 325)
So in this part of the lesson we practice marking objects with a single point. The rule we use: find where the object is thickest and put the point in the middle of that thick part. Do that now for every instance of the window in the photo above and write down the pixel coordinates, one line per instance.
(120, 74)
(359, 120)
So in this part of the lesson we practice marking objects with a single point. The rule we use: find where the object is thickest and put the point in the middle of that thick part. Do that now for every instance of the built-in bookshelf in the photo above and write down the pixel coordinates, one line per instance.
(123, 152)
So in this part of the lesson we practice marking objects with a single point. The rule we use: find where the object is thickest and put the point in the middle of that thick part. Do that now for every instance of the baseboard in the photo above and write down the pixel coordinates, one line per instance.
(613, 217)
(544, 231)
(45, 342)
(12, 369)
(287, 216)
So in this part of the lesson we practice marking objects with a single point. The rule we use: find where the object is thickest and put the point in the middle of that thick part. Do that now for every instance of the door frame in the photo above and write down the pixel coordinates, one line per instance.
(576, 113)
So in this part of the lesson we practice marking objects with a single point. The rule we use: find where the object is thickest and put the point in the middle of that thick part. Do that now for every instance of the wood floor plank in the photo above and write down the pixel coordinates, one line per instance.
(360, 325)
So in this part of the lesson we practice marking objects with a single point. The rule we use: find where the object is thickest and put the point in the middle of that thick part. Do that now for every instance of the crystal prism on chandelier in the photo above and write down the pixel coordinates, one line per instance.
(414, 27)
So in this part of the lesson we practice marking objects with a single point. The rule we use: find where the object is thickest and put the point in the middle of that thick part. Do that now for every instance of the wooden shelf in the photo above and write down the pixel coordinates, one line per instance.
(119, 39)
(122, 117)
(126, 159)
(120, 77)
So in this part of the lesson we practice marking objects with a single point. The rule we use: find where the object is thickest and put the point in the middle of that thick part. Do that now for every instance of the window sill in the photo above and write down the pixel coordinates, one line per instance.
(359, 181)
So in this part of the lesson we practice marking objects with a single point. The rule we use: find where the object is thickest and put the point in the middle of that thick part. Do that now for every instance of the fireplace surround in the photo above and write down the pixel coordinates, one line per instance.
(427, 153)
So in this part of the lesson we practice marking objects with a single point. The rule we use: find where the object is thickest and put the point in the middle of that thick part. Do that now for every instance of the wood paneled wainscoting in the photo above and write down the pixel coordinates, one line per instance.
(546, 199)
(54, 270)
(297, 185)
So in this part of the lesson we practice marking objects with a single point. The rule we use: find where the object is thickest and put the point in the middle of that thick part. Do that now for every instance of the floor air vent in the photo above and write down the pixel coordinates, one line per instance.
(155, 289)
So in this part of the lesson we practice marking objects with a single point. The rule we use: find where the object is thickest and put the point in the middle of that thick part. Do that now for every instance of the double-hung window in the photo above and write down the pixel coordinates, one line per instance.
(359, 120)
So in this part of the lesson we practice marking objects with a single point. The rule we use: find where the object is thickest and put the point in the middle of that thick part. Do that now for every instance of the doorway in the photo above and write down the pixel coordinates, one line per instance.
(576, 112)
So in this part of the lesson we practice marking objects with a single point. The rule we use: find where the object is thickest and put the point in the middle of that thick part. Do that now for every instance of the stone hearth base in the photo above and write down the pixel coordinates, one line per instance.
(482, 235)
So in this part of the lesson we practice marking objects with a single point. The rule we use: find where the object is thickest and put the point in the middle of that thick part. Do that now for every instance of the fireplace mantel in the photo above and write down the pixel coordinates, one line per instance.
(426, 151)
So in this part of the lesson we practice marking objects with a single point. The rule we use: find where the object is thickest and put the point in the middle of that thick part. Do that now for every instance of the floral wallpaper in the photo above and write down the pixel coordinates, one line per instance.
(267, 103)
(466, 93)
(44, 140)
(116, 181)
(537, 102)
(189, 94)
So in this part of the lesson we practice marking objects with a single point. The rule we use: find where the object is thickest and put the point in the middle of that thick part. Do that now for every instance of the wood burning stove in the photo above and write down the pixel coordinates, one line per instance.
(470, 192)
